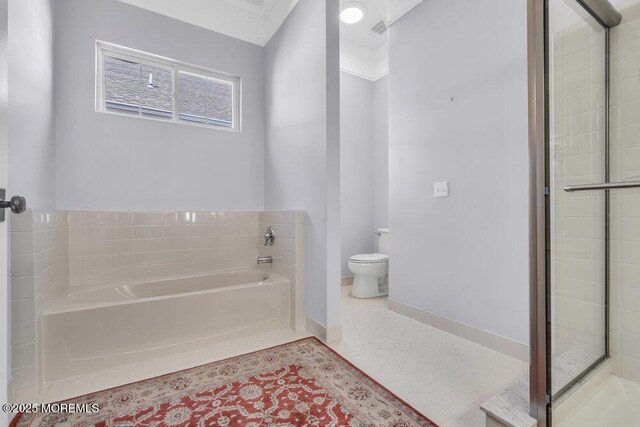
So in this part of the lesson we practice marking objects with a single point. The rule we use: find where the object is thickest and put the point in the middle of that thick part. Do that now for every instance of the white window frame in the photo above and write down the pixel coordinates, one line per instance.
(121, 52)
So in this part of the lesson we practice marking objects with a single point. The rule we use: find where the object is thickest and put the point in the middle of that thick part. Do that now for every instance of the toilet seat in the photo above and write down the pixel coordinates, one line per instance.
(369, 258)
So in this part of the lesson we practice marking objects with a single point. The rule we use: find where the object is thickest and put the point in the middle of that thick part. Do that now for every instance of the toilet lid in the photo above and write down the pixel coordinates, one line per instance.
(369, 258)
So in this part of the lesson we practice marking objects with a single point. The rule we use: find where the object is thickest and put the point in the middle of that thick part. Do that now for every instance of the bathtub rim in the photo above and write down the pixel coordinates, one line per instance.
(64, 304)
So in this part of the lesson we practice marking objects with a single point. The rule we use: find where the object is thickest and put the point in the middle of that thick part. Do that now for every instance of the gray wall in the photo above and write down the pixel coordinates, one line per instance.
(381, 153)
(30, 119)
(364, 157)
(302, 142)
(464, 257)
(356, 174)
(112, 162)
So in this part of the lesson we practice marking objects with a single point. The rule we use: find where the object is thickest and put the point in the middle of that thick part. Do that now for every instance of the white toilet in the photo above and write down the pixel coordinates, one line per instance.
(371, 271)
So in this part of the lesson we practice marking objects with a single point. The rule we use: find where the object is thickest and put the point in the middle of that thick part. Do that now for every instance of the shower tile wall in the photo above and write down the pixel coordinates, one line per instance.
(113, 246)
(39, 274)
(625, 204)
(288, 252)
(577, 226)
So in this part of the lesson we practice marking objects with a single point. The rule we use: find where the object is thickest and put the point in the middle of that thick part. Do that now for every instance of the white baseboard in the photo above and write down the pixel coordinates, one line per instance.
(334, 333)
(347, 281)
(488, 339)
(328, 335)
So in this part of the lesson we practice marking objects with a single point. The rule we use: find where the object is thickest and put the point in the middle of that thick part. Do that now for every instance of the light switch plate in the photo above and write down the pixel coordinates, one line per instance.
(441, 189)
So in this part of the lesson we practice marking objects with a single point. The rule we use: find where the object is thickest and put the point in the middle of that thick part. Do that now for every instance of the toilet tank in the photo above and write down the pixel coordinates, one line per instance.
(382, 237)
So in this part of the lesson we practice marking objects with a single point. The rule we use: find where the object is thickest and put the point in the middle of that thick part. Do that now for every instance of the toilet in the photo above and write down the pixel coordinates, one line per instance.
(371, 271)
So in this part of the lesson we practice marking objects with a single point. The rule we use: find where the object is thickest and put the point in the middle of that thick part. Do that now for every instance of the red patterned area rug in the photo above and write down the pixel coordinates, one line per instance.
(303, 383)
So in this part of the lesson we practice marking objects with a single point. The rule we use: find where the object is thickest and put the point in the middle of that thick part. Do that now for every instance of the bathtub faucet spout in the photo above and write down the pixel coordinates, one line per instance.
(265, 260)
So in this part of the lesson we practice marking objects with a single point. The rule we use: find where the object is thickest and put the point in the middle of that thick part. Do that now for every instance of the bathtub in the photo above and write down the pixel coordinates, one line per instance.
(104, 326)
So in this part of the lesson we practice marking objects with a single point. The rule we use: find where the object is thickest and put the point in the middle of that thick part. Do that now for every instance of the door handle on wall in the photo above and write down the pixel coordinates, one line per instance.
(17, 204)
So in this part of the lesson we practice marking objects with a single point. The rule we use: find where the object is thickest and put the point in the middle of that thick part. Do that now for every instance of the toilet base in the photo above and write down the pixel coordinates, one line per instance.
(368, 286)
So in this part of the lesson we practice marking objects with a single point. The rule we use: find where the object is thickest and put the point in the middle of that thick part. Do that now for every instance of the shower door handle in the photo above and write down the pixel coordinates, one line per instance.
(602, 186)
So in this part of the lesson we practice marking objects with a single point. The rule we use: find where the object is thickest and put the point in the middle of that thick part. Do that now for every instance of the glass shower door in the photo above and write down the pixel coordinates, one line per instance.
(578, 155)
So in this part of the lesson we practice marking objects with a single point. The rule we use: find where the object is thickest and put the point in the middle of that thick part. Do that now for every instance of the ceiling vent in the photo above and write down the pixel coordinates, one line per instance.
(380, 27)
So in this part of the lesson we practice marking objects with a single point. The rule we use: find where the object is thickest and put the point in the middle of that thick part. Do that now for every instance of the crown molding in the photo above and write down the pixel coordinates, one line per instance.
(249, 8)
(364, 63)
(276, 16)
(396, 9)
(242, 20)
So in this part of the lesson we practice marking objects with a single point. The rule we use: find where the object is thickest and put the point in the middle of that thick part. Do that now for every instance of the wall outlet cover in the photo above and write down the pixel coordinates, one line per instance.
(441, 189)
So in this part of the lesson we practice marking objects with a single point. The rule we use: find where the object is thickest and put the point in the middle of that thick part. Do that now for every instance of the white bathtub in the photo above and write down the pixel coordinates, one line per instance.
(104, 326)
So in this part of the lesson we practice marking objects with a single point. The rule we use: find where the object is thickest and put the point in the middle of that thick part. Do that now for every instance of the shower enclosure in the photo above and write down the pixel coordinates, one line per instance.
(584, 67)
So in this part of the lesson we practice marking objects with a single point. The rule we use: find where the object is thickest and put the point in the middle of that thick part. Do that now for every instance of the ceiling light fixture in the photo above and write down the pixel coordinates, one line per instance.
(352, 12)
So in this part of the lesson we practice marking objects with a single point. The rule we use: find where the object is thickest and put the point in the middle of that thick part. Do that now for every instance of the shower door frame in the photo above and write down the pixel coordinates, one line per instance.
(540, 393)
(536, 52)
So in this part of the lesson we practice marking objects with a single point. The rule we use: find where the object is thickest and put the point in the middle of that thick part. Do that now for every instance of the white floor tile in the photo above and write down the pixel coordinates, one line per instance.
(441, 375)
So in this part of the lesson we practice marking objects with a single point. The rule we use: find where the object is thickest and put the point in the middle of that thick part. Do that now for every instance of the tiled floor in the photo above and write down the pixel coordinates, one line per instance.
(443, 376)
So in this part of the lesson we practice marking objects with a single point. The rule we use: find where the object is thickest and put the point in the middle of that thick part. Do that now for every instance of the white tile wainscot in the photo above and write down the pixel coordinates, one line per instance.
(53, 252)
(39, 274)
(288, 252)
(108, 246)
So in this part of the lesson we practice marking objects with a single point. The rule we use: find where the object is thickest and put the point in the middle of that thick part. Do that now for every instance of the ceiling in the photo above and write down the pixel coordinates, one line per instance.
(360, 33)
(363, 52)
(254, 21)
(388, 11)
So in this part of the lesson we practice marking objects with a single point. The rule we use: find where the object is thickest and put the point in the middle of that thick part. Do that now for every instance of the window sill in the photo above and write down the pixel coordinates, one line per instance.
(172, 121)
